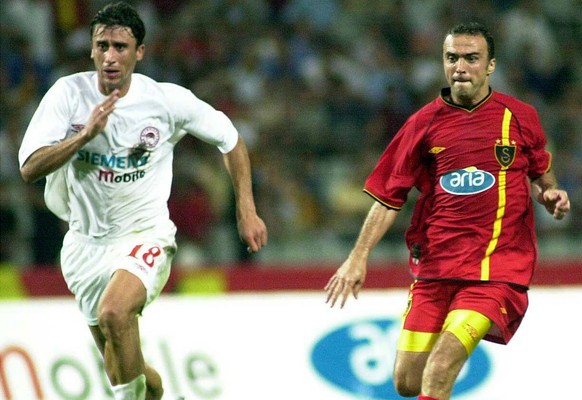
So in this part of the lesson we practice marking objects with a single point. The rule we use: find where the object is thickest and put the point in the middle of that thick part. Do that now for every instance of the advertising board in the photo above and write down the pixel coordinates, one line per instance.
(283, 345)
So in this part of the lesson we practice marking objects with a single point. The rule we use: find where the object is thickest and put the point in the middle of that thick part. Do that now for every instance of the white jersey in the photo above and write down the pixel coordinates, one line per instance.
(119, 183)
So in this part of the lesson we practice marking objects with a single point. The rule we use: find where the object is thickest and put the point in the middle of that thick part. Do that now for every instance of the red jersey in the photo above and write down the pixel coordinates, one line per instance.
(474, 218)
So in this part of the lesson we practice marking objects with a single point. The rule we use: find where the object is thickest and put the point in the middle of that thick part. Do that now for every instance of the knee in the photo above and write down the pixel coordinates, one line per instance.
(155, 389)
(404, 389)
(407, 385)
(154, 392)
(112, 319)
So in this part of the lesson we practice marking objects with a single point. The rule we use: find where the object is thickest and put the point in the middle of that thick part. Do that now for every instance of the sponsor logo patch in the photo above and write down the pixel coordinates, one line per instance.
(467, 181)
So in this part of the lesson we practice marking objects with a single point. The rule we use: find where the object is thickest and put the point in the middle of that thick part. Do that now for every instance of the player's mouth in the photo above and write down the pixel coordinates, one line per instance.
(461, 80)
(111, 73)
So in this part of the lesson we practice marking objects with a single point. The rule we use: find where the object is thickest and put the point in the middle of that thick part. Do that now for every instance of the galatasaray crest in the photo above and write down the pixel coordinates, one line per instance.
(505, 154)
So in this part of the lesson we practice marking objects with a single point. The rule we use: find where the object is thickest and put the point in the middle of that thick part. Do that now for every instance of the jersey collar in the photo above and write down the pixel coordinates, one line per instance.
(446, 97)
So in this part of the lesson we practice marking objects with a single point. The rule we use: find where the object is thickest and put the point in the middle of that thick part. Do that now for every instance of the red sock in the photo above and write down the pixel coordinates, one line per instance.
(421, 397)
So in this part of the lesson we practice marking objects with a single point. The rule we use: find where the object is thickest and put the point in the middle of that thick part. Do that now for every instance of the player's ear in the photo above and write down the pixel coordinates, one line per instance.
(140, 52)
(491, 66)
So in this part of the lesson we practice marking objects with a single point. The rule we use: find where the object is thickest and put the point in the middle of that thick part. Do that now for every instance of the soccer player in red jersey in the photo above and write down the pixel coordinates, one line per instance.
(477, 157)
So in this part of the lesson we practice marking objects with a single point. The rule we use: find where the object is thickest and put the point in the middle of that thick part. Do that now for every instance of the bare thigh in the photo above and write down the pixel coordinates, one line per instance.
(443, 366)
(125, 294)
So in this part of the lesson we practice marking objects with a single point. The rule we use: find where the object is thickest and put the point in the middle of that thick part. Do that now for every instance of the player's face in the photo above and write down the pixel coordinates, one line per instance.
(467, 68)
(115, 54)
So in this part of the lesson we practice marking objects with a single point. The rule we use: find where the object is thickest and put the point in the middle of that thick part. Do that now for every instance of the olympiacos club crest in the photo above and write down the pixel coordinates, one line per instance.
(149, 137)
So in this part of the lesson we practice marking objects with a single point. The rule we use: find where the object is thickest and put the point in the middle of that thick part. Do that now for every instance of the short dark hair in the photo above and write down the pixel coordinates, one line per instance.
(120, 14)
(475, 29)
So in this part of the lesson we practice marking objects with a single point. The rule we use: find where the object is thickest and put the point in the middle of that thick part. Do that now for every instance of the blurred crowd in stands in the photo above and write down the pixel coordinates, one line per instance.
(316, 87)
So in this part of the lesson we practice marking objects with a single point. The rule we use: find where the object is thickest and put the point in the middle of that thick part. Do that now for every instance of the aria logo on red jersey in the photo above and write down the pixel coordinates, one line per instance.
(467, 181)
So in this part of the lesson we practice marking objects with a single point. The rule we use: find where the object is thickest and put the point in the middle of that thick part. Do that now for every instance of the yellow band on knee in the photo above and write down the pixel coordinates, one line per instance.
(468, 326)
(416, 341)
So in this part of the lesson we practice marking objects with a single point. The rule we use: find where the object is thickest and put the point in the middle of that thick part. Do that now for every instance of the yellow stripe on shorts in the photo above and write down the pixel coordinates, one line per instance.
(417, 342)
(468, 326)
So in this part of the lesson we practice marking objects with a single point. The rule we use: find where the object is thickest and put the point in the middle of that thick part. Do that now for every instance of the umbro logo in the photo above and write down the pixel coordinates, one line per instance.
(76, 128)
(436, 150)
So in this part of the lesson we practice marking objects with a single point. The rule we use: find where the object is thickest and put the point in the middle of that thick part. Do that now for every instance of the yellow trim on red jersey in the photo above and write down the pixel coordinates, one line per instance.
(549, 162)
(382, 202)
(502, 185)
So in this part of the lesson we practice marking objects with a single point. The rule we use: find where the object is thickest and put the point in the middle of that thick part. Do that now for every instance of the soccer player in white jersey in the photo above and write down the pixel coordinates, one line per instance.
(104, 139)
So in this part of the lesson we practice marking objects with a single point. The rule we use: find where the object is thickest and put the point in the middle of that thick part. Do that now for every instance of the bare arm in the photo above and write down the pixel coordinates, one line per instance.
(545, 191)
(350, 276)
(49, 158)
(251, 228)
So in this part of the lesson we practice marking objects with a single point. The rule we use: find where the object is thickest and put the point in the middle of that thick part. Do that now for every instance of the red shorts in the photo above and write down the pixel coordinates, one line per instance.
(430, 301)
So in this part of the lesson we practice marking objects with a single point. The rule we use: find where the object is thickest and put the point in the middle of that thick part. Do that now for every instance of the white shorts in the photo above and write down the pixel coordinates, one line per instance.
(87, 265)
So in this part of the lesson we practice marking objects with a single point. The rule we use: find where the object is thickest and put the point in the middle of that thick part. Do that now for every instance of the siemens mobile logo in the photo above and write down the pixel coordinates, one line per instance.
(112, 161)
(109, 176)
(133, 161)
(467, 181)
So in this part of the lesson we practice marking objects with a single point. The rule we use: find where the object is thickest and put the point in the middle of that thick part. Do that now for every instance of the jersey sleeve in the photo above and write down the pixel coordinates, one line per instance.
(200, 119)
(399, 168)
(539, 158)
(50, 122)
